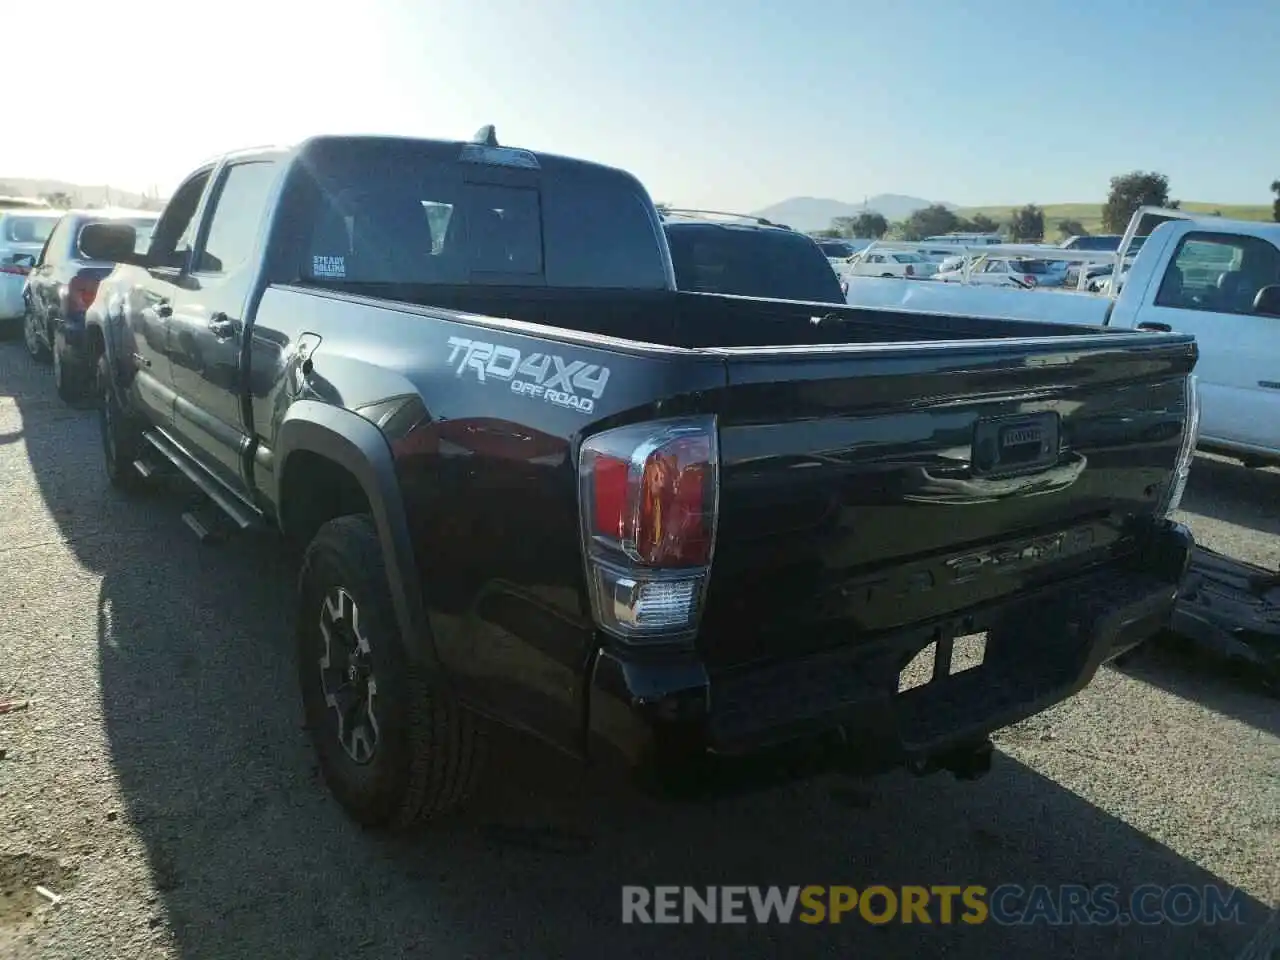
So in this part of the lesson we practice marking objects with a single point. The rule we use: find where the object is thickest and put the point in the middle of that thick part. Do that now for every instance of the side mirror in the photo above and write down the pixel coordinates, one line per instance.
(1267, 302)
(23, 259)
(109, 242)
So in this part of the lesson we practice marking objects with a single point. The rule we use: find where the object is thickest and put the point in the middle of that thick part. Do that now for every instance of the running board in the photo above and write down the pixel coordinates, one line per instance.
(241, 514)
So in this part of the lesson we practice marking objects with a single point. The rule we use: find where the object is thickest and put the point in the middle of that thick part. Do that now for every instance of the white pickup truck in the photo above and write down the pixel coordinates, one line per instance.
(1215, 278)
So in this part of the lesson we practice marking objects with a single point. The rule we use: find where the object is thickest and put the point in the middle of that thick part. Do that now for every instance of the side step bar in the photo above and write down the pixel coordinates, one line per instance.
(241, 514)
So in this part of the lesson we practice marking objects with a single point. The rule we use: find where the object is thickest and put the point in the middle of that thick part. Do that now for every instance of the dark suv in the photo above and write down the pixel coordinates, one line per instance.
(730, 253)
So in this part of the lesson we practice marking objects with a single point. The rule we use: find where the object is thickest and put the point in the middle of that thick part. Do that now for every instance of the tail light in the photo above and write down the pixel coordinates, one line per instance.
(910, 271)
(1187, 450)
(79, 294)
(649, 498)
(1029, 280)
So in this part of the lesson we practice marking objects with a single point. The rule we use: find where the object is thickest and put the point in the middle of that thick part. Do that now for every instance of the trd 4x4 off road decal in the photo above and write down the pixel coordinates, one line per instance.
(541, 376)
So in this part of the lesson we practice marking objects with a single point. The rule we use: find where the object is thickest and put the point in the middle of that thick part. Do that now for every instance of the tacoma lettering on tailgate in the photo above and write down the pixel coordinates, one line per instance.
(537, 375)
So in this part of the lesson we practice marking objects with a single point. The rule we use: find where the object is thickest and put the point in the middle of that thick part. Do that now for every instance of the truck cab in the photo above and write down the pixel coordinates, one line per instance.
(1220, 281)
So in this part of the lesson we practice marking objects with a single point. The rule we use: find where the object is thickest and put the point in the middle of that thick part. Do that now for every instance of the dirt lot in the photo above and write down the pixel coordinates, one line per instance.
(161, 784)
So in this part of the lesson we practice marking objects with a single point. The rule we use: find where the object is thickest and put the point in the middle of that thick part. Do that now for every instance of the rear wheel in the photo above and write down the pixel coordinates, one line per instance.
(121, 436)
(30, 334)
(393, 746)
(68, 379)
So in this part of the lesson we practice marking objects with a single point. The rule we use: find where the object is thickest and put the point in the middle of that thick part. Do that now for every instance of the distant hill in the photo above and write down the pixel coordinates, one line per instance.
(816, 213)
(81, 195)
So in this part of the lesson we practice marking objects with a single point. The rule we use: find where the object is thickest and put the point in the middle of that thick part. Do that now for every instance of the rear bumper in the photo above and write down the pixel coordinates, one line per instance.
(674, 726)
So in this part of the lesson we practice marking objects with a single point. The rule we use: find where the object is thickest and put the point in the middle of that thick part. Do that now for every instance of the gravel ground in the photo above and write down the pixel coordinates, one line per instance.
(161, 783)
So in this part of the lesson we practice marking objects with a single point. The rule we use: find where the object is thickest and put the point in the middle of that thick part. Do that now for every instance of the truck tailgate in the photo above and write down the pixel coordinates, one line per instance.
(865, 489)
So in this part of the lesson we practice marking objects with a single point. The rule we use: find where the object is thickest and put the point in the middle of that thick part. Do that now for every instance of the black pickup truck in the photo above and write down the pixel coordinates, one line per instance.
(700, 534)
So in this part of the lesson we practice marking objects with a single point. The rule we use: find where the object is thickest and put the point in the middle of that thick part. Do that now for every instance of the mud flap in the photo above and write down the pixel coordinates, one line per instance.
(1231, 609)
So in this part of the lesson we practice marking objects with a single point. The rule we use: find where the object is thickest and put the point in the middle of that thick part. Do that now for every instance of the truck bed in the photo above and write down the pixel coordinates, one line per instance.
(929, 297)
(693, 320)
(854, 495)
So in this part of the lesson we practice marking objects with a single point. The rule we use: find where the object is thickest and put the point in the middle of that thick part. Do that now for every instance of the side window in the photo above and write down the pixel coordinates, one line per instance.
(1218, 273)
(175, 233)
(237, 216)
(56, 241)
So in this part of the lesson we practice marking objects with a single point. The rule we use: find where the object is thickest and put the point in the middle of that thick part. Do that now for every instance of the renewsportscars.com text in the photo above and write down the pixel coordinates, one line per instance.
(1007, 904)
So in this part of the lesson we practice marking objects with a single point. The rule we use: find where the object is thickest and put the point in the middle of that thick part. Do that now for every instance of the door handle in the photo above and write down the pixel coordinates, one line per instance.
(221, 326)
(164, 309)
(1157, 327)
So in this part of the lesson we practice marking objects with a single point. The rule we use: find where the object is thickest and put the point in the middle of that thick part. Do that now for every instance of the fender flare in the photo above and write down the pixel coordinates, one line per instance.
(105, 325)
(358, 446)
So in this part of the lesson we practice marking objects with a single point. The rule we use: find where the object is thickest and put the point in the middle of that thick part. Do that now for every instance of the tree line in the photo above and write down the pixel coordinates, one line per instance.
(1128, 192)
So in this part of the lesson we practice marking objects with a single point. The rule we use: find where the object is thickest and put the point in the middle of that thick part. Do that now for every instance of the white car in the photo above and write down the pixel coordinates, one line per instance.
(891, 263)
(992, 272)
(23, 231)
(839, 250)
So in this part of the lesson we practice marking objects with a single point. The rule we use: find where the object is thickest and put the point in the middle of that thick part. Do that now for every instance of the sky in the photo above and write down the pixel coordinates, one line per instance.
(728, 105)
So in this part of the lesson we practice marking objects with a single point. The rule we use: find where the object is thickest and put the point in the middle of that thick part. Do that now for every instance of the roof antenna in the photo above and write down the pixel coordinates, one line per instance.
(486, 136)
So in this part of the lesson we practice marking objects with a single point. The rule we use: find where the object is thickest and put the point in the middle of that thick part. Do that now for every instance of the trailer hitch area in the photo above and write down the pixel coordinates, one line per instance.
(967, 762)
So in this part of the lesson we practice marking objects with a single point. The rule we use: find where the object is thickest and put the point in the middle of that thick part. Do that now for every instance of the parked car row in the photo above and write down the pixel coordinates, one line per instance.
(47, 282)
(641, 484)
(1034, 267)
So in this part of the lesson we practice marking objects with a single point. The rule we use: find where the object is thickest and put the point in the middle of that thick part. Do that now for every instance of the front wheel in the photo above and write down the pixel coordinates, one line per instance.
(393, 746)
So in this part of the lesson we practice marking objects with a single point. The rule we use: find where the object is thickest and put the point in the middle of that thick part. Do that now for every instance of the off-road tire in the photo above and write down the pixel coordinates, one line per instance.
(121, 435)
(430, 748)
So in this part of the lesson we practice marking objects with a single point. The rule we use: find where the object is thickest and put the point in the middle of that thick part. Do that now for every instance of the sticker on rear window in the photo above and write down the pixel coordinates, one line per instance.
(331, 268)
